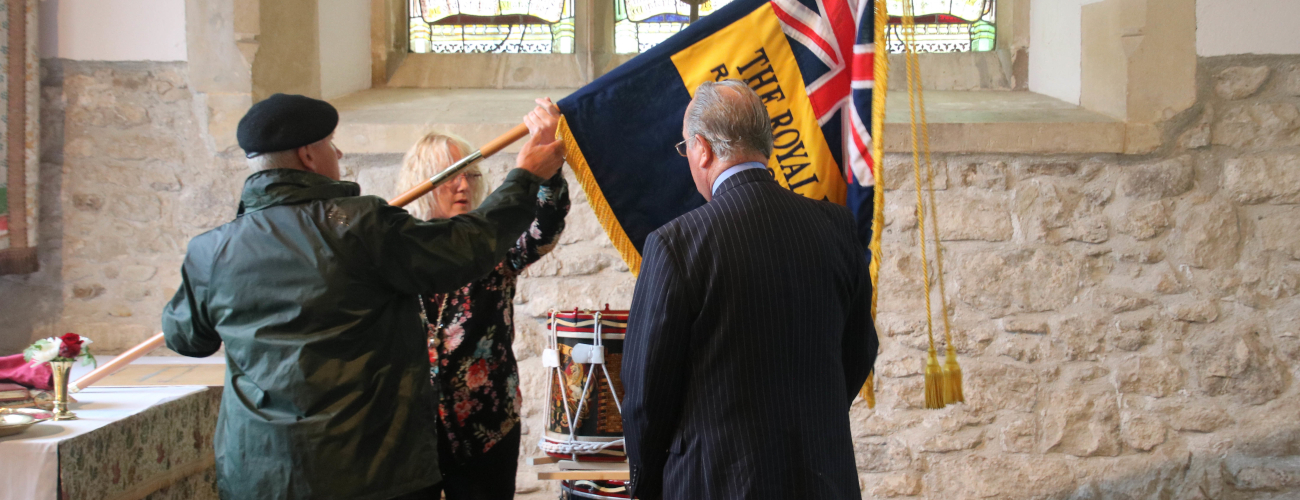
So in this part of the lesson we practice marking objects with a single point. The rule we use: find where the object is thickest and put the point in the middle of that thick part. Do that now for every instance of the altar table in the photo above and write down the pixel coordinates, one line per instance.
(130, 443)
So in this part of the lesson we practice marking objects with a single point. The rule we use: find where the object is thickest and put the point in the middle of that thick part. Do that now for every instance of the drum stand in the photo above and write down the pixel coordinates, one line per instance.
(574, 469)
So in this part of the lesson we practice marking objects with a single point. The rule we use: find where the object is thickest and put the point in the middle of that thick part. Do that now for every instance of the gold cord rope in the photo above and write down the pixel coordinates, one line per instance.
(938, 390)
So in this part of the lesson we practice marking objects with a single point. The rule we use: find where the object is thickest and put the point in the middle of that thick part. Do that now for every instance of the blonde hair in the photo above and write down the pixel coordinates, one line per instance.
(430, 155)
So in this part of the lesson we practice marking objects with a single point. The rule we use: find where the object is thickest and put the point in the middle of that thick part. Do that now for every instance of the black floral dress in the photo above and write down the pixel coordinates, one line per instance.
(470, 354)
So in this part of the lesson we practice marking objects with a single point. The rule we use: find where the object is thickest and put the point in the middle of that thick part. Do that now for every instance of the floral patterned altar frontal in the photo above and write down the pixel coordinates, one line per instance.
(20, 97)
(129, 443)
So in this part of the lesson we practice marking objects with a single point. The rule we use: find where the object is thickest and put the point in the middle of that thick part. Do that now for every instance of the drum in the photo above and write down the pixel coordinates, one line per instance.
(583, 358)
(600, 490)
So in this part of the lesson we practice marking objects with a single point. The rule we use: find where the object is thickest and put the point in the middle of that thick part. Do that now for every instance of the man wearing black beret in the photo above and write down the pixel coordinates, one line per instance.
(312, 289)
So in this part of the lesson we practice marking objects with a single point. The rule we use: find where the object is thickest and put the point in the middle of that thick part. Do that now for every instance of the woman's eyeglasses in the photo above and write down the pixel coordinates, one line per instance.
(469, 176)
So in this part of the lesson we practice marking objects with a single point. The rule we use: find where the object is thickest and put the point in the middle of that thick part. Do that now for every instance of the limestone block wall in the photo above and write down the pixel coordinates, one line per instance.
(1127, 324)
(128, 179)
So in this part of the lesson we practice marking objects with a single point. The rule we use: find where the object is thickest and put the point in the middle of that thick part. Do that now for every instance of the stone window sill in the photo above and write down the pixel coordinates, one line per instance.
(390, 120)
(1006, 122)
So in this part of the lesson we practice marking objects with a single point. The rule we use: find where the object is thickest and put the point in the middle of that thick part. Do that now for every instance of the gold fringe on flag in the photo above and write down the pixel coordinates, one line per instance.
(880, 70)
(596, 198)
(868, 391)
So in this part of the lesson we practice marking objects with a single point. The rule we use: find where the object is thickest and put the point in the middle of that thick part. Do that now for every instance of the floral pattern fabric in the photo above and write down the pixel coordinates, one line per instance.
(471, 331)
(165, 451)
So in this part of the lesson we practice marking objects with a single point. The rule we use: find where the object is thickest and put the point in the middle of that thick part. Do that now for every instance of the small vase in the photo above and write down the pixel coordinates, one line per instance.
(61, 371)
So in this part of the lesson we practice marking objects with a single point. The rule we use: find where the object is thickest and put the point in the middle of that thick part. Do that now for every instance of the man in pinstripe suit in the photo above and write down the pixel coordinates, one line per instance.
(750, 331)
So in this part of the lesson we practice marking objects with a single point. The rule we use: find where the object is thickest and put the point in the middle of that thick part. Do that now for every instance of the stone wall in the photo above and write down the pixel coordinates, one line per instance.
(127, 178)
(1127, 324)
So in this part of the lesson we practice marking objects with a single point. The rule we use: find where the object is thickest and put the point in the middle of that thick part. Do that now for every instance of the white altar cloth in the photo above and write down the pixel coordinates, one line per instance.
(29, 462)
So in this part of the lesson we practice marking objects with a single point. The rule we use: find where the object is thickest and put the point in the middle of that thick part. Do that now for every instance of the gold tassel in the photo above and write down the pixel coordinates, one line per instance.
(952, 392)
(933, 382)
(868, 391)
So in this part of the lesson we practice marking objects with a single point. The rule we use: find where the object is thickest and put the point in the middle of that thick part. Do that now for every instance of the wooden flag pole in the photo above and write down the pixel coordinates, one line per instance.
(492, 147)
(116, 364)
(452, 171)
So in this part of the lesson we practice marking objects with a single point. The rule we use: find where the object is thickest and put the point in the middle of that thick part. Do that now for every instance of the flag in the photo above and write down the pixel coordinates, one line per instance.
(810, 61)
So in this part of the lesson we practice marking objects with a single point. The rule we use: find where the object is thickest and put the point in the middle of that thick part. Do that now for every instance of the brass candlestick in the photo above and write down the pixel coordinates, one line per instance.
(61, 371)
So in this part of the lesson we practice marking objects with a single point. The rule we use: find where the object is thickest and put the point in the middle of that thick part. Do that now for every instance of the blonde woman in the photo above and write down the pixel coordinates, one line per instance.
(471, 330)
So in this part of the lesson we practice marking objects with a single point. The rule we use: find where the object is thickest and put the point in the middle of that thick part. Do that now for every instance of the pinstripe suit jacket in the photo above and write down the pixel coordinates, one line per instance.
(750, 334)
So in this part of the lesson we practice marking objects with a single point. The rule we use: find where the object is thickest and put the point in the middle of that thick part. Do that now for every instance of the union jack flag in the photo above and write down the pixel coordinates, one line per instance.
(837, 63)
(834, 46)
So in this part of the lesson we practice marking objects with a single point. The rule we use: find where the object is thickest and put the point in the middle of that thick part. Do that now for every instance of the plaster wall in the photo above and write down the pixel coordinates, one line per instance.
(1226, 27)
(288, 57)
(1055, 52)
(344, 27)
(113, 30)
(388, 33)
(1139, 59)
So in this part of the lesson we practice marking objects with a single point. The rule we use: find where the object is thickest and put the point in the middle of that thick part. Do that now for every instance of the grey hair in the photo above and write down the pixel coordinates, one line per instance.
(735, 123)
(276, 159)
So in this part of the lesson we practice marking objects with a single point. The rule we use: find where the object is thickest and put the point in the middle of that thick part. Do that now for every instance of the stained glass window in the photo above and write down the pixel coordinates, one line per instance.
(492, 26)
(641, 24)
(946, 25)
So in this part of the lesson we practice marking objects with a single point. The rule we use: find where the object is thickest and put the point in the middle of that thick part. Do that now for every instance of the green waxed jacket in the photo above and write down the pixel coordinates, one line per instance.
(312, 289)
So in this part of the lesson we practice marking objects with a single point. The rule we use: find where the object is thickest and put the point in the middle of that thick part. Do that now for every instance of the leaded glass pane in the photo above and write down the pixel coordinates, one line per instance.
(492, 26)
(641, 24)
(946, 25)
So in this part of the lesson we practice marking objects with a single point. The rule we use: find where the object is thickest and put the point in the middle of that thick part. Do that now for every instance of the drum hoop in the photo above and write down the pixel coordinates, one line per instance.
(597, 482)
(583, 494)
(589, 315)
(606, 331)
(591, 321)
(590, 335)
(560, 438)
(588, 326)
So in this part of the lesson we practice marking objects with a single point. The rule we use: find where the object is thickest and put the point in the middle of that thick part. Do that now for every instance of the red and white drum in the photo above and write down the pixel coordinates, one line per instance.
(583, 357)
(599, 490)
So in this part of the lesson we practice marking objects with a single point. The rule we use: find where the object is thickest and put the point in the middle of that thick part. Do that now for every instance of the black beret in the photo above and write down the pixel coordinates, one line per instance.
(283, 122)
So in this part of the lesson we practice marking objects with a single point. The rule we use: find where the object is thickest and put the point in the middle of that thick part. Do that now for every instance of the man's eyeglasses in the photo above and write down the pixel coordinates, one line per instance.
(681, 148)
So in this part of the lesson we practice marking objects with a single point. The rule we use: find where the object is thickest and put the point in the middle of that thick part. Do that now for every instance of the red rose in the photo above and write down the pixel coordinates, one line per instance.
(70, 345)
